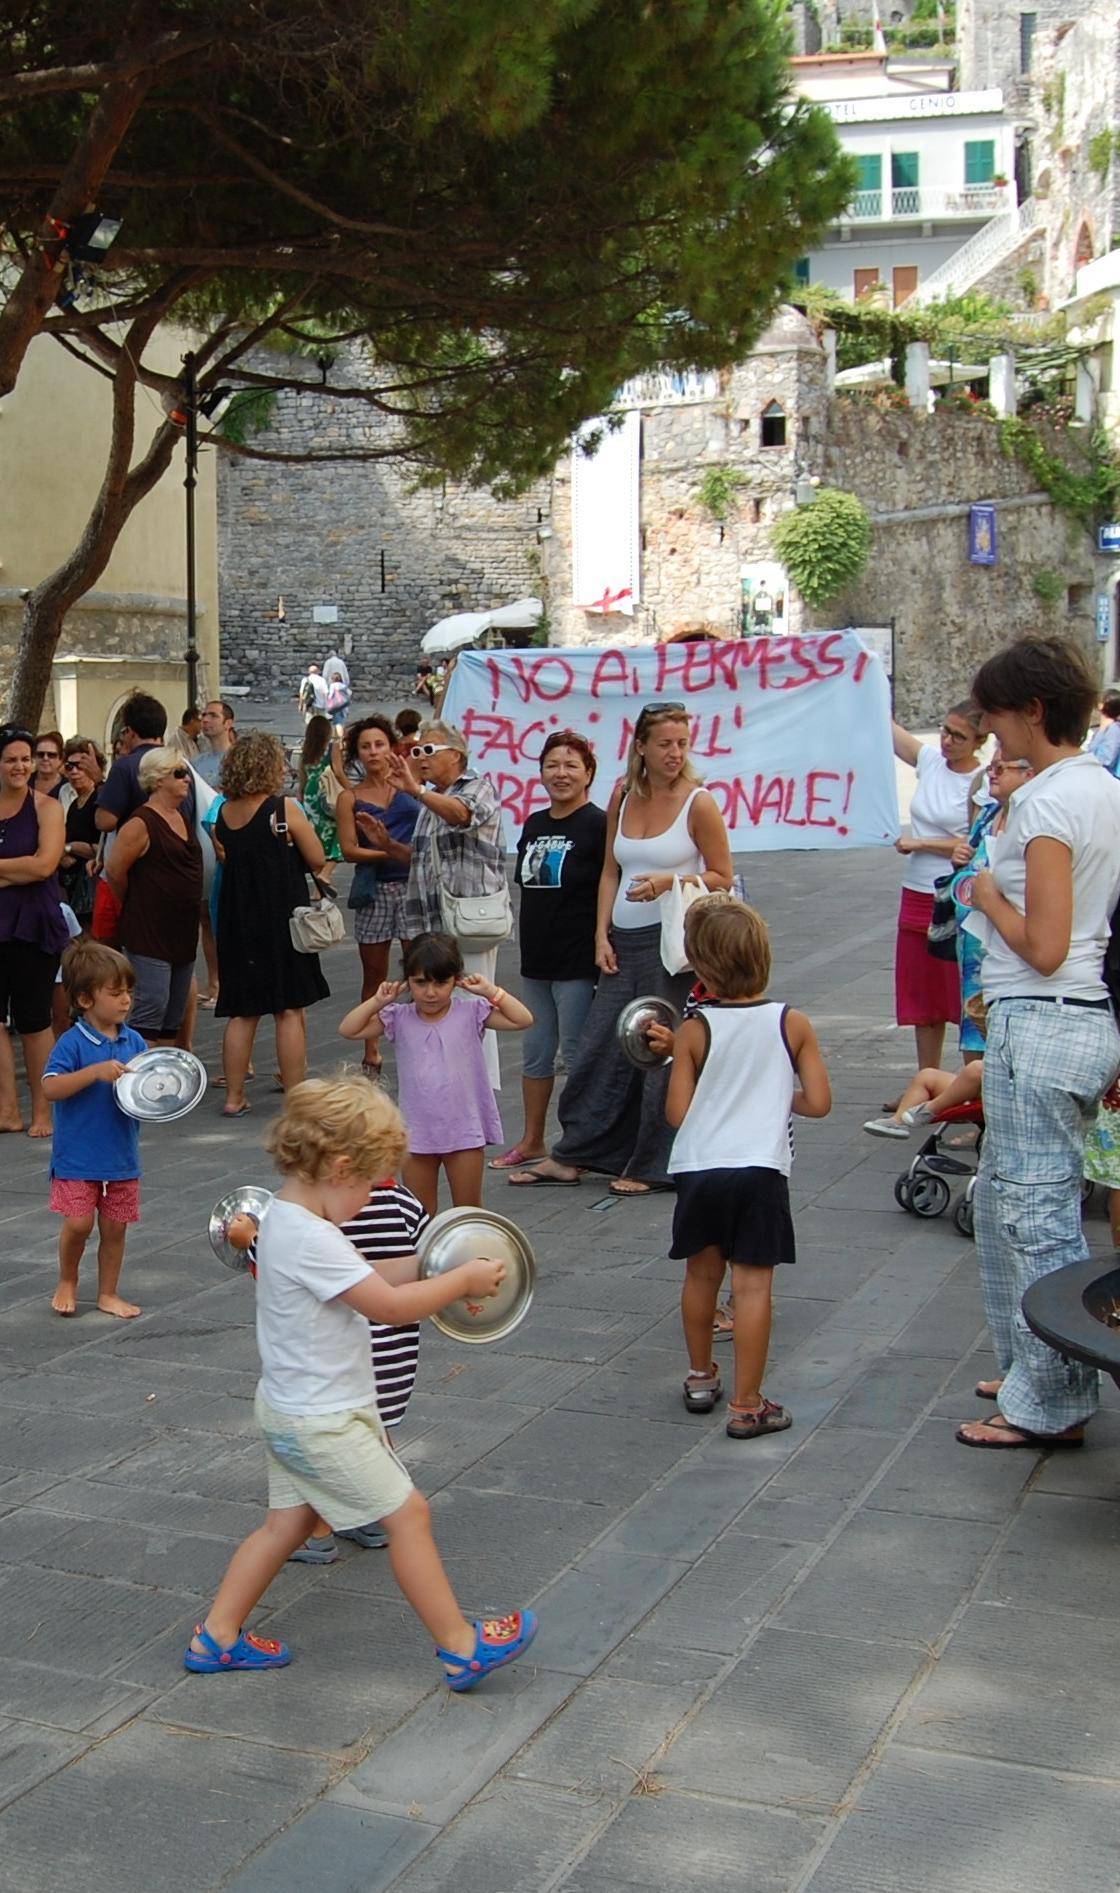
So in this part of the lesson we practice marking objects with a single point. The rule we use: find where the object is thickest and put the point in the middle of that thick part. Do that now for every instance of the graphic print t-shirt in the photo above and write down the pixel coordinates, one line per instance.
(558, 868)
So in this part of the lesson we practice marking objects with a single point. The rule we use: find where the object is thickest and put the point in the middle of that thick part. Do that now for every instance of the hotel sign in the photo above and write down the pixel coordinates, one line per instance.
(899, 105)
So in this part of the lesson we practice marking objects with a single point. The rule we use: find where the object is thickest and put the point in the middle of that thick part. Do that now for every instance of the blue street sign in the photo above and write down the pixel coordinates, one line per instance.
(1104, 617)
(1108, 537)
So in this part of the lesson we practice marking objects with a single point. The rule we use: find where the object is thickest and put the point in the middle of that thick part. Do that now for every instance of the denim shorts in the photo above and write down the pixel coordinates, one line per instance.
(559, 1008)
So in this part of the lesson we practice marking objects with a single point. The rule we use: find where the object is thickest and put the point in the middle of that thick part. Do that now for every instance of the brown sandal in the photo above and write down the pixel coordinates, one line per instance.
(750, 1422)
(701, 1391)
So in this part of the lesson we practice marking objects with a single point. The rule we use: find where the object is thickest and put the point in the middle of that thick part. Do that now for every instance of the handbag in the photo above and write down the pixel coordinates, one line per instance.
(675, 903)
(330, 788)
(479, 922)
(941, 934)
(319, 925)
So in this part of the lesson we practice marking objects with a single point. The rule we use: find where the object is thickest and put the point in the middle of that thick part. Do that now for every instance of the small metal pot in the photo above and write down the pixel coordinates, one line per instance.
(631, 1030)
(460, 1235)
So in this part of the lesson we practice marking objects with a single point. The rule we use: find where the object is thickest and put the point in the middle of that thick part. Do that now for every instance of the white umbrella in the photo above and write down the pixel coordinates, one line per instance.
(464, 627)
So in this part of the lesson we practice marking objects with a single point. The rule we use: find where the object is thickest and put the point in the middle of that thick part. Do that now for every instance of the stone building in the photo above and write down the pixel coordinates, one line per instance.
(766, 429)
(359, 553)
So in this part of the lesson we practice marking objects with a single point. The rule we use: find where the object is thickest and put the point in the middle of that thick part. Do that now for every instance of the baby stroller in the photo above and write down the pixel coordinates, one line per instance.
(923, 1189)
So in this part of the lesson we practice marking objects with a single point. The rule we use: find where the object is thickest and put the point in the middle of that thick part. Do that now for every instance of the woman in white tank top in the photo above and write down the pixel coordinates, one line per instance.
(660, 823)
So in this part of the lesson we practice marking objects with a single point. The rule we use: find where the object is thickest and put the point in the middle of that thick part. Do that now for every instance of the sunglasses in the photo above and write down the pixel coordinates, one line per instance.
(77, 762)
(46, 755)
(998, 768)
(661, 709)
(180, 775)
(428, 749)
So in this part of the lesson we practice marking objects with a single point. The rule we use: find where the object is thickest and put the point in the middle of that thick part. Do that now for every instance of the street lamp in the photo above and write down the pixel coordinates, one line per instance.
(184, 413)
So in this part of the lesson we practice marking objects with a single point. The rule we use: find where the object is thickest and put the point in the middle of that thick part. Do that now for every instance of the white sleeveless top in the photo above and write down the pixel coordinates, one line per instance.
(671, 852)
(739, 1117)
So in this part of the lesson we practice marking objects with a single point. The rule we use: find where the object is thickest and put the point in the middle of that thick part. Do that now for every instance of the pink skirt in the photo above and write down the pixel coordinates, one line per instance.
(927, 991)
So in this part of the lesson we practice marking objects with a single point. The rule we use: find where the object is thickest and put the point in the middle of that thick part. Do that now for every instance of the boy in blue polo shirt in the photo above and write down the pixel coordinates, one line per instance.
(95, 1157)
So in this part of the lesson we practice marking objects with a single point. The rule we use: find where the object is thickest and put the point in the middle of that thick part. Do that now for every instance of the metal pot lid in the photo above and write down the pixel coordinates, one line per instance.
(630, 1030)
(460, 1235)
(161, 1085)
(252, 1199)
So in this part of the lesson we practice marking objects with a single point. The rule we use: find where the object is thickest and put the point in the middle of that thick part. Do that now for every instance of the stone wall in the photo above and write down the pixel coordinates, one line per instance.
(917, 474)
(359, 536)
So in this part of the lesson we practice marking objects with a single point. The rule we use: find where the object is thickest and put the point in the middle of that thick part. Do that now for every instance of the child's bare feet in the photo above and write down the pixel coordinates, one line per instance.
(114, 1305)
(12, 1124)
(64, 1301)
(40, 1127)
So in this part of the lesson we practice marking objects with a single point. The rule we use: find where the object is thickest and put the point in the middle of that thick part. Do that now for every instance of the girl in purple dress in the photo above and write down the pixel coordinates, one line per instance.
(446, 1096)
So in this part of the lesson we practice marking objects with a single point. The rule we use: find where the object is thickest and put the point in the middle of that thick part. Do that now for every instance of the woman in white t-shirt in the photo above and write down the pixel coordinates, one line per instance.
(927, 990)
(1042, 912)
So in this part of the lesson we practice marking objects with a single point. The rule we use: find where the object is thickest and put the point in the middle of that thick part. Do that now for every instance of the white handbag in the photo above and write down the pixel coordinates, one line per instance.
(675, 903)
(319, 925)
(477, 921)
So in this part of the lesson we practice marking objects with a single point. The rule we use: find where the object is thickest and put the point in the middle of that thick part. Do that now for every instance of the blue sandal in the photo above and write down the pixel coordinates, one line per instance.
(497, 1640)
(248, 1653)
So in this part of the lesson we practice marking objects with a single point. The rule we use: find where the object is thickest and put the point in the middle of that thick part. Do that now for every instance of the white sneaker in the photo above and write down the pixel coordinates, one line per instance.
(886, 1127)
(918, 1114)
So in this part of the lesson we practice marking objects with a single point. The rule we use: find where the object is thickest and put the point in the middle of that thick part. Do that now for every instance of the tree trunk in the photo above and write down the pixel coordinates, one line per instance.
(122, 489)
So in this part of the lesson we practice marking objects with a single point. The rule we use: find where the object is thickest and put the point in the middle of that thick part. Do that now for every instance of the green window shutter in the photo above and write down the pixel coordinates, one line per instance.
(979, 160)
(869, 172)
(904, 170)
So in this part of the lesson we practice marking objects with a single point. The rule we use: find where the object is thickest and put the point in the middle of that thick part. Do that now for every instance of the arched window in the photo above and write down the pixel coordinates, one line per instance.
(1083, 252)
(773, 425)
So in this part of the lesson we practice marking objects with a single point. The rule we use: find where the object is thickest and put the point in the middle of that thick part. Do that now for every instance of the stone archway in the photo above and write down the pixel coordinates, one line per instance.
(1083, 248)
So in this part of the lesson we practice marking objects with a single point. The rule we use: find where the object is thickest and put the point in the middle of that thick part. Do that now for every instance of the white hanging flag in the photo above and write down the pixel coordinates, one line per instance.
(879, 40)
(606, 546)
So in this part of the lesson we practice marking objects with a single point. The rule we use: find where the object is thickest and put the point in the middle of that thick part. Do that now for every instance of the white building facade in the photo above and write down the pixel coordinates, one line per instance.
(933, 168)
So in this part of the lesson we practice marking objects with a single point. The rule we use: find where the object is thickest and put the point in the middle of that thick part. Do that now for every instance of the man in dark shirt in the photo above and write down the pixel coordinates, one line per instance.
(143, 726)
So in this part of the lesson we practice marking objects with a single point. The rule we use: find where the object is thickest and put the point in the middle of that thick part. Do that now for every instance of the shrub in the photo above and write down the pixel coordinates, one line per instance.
(824, 545)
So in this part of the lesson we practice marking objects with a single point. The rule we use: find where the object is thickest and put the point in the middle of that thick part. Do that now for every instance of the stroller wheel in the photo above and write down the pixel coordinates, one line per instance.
(903, 1191)
(963, 1216)
(929, 1195)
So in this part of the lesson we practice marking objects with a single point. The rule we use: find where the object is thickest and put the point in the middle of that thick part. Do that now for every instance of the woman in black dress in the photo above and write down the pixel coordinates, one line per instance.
(267, 848)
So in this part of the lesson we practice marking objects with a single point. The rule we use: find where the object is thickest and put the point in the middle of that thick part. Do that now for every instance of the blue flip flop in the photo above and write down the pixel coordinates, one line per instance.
(497, 1640)
(248, 1653)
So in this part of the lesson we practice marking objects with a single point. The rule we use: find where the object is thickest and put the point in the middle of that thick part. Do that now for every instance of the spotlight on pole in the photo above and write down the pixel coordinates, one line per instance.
(90, 237)
(214, 403)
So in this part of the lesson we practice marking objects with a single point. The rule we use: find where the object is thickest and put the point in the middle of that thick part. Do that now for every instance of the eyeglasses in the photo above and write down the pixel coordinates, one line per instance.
(997, 768)
(180, 775)
(649, 710)
(428, 749)
(958, 736)
(77, 762)
(46, 755)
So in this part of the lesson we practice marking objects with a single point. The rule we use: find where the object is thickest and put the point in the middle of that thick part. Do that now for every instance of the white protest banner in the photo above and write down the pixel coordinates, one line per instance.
(791, 735)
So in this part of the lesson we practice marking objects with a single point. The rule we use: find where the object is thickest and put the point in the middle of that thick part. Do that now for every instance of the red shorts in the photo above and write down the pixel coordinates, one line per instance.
(120, 1201)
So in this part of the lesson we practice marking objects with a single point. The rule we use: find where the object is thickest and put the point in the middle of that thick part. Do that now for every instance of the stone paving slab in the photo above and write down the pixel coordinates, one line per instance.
(836, 1657)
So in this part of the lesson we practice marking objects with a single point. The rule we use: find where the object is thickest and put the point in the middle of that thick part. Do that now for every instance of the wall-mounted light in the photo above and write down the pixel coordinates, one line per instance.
(543, 533)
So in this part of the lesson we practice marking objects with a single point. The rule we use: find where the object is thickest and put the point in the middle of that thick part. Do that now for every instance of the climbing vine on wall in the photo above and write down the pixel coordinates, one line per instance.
(717, 490)
(824, 545)
(1086, 494)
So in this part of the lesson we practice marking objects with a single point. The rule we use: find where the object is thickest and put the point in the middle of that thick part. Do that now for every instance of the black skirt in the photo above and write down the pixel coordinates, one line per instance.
(745, 1214)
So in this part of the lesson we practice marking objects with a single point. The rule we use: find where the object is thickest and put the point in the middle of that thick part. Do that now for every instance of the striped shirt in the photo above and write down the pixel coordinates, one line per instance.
(388, 1227)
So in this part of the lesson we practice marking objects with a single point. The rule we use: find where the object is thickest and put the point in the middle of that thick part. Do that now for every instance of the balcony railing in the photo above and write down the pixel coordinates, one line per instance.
(919, 203)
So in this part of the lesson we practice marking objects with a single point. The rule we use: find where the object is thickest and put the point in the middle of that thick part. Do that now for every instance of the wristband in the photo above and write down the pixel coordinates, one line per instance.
(499, 995)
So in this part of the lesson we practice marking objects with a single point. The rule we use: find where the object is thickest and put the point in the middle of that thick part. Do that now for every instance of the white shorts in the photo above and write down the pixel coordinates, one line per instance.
(340, 1463)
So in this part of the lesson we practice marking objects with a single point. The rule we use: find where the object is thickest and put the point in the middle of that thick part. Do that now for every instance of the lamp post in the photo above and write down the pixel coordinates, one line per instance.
(190, 405)
(184, 413)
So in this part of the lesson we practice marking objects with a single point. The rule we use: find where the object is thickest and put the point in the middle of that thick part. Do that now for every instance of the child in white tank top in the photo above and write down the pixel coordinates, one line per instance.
(740, 1067)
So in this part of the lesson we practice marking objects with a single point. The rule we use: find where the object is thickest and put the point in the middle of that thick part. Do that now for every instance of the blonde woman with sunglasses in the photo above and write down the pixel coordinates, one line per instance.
(661, 824)
(155, 870)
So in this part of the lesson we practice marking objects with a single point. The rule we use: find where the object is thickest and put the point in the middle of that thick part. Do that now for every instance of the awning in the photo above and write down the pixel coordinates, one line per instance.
(466, 627)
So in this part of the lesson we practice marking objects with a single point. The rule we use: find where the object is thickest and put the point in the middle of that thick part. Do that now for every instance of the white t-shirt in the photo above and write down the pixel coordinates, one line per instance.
(1077, 802)
(939, 809)
(314, 1350)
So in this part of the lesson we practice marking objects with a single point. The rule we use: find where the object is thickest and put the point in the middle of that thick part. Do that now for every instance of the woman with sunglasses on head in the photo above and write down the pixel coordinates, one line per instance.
(155, 870)
(457, 842)
(927, 990)
(376, 820)
(32, 929)
(661, 825)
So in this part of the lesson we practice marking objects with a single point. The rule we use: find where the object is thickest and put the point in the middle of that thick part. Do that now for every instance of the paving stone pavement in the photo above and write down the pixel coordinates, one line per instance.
(844, 1658)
